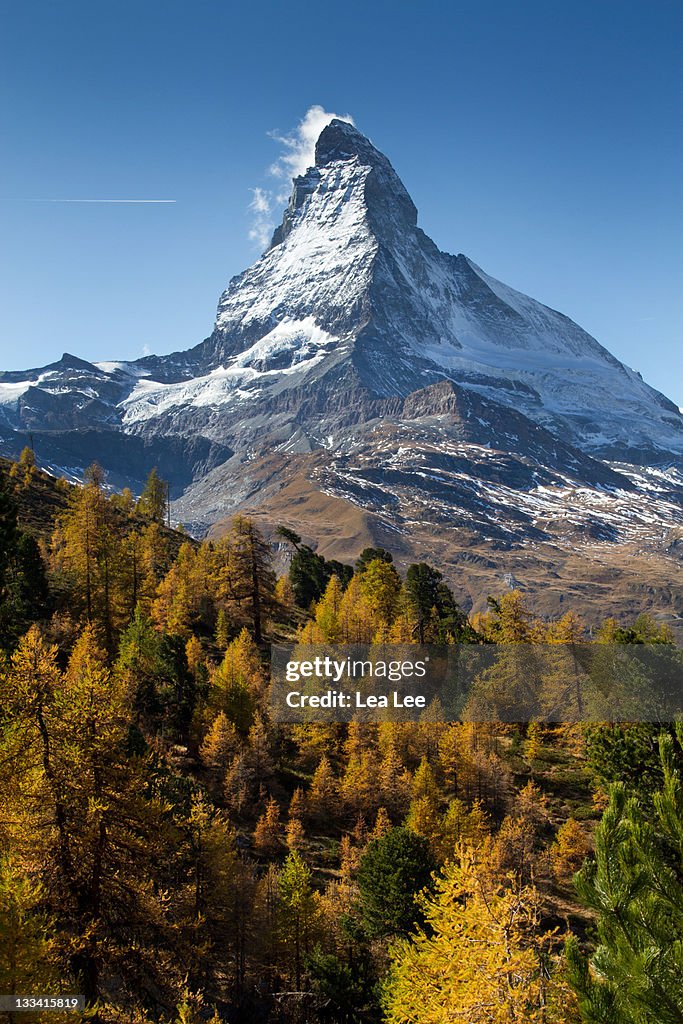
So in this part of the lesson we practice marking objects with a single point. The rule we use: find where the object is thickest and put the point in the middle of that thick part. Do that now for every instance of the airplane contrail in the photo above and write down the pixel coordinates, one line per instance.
(100, 200)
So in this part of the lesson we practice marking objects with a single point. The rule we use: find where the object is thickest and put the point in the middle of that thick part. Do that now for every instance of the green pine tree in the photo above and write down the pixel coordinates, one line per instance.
(635, 887)
(298, 911)
(392, 871)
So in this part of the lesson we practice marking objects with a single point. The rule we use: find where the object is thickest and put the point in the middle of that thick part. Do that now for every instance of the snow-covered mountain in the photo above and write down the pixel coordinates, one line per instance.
(398, 378)
(349, 277)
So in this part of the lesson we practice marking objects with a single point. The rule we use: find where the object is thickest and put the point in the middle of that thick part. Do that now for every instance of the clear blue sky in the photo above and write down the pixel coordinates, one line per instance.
(541, 138)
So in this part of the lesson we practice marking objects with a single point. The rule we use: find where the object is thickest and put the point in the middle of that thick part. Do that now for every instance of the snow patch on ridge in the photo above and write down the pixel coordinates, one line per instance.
(302, 340)
(292, 347)
(11, 393)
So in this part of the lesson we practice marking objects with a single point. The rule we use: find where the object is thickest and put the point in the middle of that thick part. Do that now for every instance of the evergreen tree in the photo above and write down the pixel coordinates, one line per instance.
(635, 887)
(341, 570)
(422, 584)
(369, 555)
(23, 581)
(308, 576)
(453, 625)
(346, 990)
(32, 588)
(392, 871)
(309, 572)
(627, 753)
(289, 535)
(140, 664)
(8, 528)
(155, 667)
(25, 597)
(438, 617)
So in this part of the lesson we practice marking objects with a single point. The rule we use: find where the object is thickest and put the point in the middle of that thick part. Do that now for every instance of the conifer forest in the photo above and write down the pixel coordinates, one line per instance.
(175, 856)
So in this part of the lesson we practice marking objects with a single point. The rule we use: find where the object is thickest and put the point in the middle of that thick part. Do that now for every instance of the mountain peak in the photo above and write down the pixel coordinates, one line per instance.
(341, 143)
(350, 282)
(366, 174)
(340, 140)
(385, 193)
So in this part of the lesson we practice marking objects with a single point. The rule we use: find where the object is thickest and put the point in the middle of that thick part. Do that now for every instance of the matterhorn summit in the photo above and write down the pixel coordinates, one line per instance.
(349, 281)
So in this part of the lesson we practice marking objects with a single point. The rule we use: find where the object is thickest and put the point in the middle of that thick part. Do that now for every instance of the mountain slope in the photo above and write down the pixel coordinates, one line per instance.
(358, 359)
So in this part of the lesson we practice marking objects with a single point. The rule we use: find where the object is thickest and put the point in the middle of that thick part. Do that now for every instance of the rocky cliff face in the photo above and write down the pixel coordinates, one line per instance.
(399, 379)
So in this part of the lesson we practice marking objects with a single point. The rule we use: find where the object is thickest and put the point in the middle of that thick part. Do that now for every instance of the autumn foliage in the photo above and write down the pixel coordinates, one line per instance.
(173, 854)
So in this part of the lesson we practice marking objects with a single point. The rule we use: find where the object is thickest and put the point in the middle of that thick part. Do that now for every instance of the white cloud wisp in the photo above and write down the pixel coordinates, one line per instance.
(297, 157)
(299, 145)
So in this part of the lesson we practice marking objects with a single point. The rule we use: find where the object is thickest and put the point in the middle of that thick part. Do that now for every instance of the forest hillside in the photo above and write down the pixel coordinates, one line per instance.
(173, 855)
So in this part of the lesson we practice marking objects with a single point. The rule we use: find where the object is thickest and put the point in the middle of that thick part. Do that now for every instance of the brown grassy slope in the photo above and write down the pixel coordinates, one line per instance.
(594, 578)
